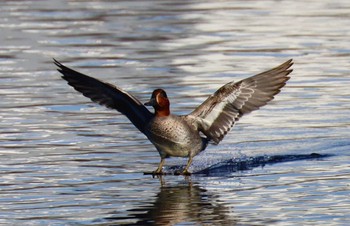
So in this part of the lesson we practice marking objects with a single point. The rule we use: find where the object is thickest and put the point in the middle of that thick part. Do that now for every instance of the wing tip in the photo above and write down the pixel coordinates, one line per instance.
(60, 68)
(57, 63)
(286, 65)
(289, 64)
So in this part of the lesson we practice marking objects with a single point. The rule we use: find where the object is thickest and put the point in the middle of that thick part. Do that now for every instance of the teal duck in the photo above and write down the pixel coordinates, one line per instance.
(184, 135)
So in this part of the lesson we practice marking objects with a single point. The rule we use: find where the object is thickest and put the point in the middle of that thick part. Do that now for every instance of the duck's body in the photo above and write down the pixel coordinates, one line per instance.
(181, 135)
(174, 136)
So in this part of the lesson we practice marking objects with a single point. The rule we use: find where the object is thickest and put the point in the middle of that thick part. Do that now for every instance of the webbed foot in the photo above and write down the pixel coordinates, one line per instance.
(184, 173)
(154, 173)
(158, 173)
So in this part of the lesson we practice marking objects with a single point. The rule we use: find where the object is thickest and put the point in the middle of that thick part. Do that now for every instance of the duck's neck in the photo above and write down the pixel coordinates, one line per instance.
(162, 112)
(163, 107)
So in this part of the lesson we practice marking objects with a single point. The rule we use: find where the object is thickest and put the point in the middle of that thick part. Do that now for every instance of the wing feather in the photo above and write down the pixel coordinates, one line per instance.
(217, 114)
(107, 95)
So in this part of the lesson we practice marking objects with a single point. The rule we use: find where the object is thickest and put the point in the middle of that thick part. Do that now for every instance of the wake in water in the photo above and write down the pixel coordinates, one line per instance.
(226, 167)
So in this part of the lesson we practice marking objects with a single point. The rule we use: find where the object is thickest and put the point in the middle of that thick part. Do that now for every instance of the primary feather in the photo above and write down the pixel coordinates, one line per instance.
(107, 95)
(216, 115)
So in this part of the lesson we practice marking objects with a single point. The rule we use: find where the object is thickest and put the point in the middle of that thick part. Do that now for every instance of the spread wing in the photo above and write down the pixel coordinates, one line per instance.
(107, 95)
(216, 115)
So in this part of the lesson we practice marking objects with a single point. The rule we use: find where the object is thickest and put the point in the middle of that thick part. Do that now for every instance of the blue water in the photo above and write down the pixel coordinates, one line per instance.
(67, 161)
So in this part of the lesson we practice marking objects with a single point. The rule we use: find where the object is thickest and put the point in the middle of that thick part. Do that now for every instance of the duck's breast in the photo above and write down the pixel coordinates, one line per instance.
(172, 135)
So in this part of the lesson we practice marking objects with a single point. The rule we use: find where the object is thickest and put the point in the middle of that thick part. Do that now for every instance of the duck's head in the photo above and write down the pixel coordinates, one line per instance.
(160, 102)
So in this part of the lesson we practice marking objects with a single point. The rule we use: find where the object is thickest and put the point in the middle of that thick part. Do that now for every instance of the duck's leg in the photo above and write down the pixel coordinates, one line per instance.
(185, 172)
(160, 166)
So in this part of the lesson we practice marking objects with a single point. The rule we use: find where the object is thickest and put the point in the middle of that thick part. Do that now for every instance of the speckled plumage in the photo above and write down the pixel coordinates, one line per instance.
(173, 136)
(181, 135)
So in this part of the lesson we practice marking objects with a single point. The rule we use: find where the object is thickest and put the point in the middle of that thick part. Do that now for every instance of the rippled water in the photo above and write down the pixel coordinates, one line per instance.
(65, 160)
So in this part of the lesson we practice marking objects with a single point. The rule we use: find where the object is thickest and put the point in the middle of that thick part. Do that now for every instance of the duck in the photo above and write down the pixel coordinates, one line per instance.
(184, 135)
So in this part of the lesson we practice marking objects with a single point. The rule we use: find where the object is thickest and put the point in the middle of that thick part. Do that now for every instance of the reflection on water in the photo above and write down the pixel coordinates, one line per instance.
(67, 161)
(180, 203)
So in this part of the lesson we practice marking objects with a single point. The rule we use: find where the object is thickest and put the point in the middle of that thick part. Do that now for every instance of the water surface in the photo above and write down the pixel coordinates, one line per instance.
(65, 160)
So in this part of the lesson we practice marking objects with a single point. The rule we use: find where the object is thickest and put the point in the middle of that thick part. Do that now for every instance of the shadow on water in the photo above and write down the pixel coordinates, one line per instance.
(184, 202)
(233, 165)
